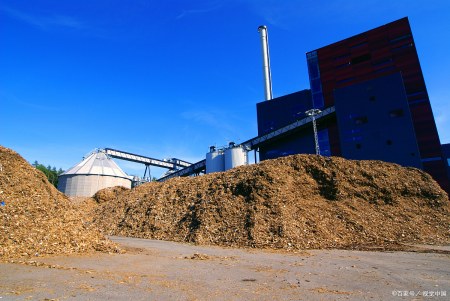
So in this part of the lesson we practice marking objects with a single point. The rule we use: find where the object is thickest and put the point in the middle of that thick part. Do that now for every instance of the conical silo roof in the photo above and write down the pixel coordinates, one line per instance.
(97, 163)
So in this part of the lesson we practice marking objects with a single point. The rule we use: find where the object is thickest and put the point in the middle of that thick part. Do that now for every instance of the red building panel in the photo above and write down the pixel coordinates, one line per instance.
(382, 51)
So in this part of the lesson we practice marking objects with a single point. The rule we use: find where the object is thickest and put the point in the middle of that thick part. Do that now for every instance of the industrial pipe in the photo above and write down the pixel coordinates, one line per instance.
(266, 61)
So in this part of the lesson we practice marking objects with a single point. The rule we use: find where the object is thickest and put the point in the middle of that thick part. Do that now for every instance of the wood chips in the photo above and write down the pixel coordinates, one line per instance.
(36, 219)
(295, 202)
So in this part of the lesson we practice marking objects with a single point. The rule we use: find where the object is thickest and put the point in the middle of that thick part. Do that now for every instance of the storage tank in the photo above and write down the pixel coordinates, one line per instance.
(235, 156)
(215, 161)
(95, 172)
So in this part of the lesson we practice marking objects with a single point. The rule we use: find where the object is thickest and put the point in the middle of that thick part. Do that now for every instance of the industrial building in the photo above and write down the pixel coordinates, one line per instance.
(375, 84)
(367, 101)
(96, 171)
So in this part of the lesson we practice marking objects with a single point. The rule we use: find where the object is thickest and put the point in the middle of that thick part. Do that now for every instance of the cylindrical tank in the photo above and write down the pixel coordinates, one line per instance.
(215, 161)
(235, 156)
(95, 172)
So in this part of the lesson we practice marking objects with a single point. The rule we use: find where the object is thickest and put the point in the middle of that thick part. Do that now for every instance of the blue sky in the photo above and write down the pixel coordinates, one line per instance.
(170, 78)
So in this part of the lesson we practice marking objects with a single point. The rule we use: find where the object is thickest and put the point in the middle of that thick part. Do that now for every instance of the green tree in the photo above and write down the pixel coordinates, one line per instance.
(50, 172)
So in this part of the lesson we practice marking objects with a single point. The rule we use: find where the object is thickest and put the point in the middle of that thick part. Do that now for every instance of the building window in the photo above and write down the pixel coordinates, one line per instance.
(314, 80)
(372, 98)
(358, 45)
(400, 38)
(361, 59)
(385, 69)
(382, 62)
(417, 93)
(389, 142)
(396, 113)
(343, 65)
(360, 120)
(402, 47)
(345, 80)
(340, 57)
(358, 146)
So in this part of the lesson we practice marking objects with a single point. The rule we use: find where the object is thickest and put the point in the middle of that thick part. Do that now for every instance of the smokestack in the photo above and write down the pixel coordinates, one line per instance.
(266, 61)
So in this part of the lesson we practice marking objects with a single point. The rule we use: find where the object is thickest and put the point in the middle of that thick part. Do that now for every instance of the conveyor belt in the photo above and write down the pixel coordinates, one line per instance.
(172, 164)
(252, 143)
(195, 168)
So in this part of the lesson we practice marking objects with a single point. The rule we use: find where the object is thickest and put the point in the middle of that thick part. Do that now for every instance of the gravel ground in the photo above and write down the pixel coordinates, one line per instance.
(160, 270)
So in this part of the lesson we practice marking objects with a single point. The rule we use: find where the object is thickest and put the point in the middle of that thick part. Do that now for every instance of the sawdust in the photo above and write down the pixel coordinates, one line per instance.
(109, 193)
(292, 203)
(36, 219)
(295, 202)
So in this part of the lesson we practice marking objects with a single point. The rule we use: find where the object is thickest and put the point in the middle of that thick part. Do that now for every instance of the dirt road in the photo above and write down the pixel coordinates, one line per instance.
(159, 270)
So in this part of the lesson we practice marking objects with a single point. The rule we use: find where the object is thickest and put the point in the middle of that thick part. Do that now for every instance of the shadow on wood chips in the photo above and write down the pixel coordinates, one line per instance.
(291, 203)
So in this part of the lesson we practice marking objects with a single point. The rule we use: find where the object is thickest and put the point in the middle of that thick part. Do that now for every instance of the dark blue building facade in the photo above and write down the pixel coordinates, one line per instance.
(282, 111)
(382, 109)
(379, 125)
(285, 110)
(446, 152)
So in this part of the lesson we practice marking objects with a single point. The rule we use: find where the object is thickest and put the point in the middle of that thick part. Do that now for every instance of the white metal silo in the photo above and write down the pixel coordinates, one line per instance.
(95, 172)
(215, 161)
(235, 156)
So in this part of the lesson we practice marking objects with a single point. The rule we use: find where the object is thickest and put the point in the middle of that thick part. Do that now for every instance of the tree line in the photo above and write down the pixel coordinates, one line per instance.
(50, 172)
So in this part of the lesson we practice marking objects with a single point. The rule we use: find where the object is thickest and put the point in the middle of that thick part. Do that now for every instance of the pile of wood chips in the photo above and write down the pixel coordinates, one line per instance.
(295, 202)
(36, 219)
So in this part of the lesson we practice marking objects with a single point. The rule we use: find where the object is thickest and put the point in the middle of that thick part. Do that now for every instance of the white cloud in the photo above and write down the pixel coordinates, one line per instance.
(214, 119)
(196, 11)
(44, 21)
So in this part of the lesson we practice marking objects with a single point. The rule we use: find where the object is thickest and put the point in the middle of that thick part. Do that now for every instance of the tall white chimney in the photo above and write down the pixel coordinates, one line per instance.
(266, 62)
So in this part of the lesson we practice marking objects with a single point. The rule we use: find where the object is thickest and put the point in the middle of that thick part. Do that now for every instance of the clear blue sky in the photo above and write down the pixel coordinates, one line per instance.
(170, 78)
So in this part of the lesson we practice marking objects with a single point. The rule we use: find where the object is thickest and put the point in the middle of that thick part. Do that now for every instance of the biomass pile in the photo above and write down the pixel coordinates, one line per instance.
(295, 202)
(36, 219)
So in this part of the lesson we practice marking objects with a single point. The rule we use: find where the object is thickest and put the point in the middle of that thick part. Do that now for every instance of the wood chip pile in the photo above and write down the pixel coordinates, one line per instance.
(295, 202)
(36, 219)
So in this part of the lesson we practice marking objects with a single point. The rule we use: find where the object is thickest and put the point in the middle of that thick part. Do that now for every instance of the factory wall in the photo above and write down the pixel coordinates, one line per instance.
(376, 75)
(379, 125)
(282, 111)
(382, 51)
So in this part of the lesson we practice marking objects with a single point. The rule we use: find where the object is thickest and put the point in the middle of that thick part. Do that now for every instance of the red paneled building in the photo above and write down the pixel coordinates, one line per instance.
(380, 52)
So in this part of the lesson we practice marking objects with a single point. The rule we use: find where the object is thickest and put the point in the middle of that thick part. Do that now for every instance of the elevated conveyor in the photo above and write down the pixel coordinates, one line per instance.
(171, 164)
(254, 143)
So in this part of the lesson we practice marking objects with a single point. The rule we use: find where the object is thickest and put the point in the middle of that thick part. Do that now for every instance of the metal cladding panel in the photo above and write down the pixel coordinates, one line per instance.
(440, 175)
(282, 111)
(426, 132)
(301, 142)
(88, 185)
(97, 163)
(375, 122)
(382, 51)
(446, 154)
(215, 162)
